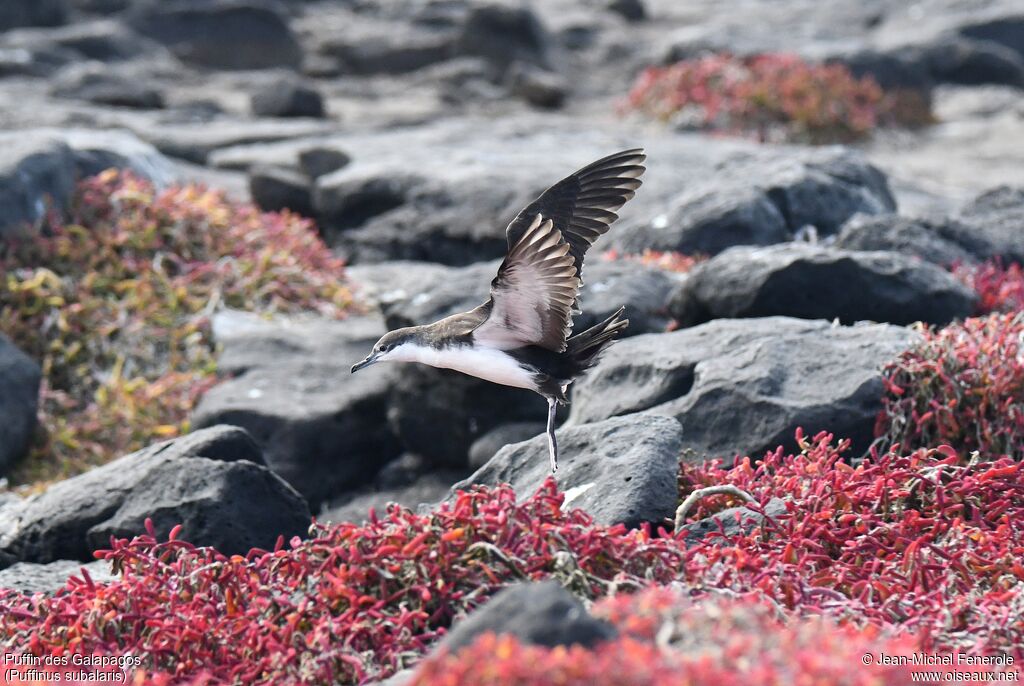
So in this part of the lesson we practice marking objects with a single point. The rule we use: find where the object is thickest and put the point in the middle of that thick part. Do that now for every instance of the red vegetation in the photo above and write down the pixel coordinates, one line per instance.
(922, 543)
(116, 306)
(999, 288)
(667, 260)
(963, 386)
(771, 96)
(351, 603)
(668, 639)
(921, 546)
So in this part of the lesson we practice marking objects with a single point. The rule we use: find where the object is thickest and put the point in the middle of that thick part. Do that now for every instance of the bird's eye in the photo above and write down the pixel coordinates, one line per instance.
(383, 348)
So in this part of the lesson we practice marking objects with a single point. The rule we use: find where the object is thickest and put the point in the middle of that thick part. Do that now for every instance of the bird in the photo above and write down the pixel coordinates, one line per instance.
(522, 336)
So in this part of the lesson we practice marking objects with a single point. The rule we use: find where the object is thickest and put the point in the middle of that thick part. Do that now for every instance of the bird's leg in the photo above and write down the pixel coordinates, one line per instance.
(552, 444)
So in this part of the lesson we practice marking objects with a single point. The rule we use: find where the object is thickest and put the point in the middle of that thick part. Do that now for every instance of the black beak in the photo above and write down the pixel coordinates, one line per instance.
(370, 359)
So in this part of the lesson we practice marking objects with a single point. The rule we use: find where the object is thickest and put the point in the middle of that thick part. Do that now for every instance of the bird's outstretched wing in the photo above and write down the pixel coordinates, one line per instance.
(583, 205)
(533, 293)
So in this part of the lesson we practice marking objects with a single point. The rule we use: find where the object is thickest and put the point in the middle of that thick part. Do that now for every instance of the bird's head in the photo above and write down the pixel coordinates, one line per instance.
(394, 346)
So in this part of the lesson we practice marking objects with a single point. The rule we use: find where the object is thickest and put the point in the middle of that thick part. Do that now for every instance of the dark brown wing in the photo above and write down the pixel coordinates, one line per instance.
(533, 294)
(582, 206)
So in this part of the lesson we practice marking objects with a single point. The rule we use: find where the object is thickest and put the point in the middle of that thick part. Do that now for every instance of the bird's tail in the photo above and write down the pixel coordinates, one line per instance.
(585, 347)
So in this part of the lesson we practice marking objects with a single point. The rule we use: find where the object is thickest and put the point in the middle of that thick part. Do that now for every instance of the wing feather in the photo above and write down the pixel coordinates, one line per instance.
(583, 205)
(533, 294)
(536, 291)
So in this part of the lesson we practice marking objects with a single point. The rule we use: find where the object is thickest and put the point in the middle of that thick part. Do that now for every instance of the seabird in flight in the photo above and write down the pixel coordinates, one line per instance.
(522, 336)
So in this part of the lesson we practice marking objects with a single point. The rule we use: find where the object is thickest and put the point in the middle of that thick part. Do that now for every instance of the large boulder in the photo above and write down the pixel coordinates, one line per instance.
(322, 429)
(212, 482)
(488, 445)
(504, 34)
(743, 386)
(222, 34)
(373, 214)
(287, 96)
(279, 188)
(621, 470)
(19, 401)
(816, 282)
(440, 413)
(539, 613)
(996, 220)
(923, 238)
(762, 198)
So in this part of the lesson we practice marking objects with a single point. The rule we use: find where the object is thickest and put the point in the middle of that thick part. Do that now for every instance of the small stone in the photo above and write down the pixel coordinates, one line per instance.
(288, 97)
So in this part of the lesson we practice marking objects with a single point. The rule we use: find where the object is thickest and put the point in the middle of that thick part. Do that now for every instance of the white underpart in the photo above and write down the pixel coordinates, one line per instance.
(484, 363)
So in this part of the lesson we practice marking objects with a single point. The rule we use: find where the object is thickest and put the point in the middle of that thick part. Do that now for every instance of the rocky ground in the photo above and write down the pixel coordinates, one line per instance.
(411, 132)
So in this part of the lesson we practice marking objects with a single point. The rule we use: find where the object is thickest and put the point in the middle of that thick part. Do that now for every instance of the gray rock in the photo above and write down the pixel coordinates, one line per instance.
(322, 429)
(995, 222)
(1002, 28)
(36, 171)
(411, 293)
(19, 401)
(389, 48)
(487, 446)
(439, 413)
(643, 290)
(620, 470)
(706, 219)
(903, 67)
(742, 387)
(630, 10)
(539, 613)
(732, 522)
(973, 62)
(540, 88)
(278, 188)
(97, 84)
(408, 481)
(103, 41)
(198, 143)
(39, 167)
(287, 97)
(96, 151)
(764, 198)
(320, 160)
(224, 34)
(378, 214)
(817, 282)
(921, 238)
(503, 34)
(14, 13)
(203, 482)
(445, 191)
(32, 577)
